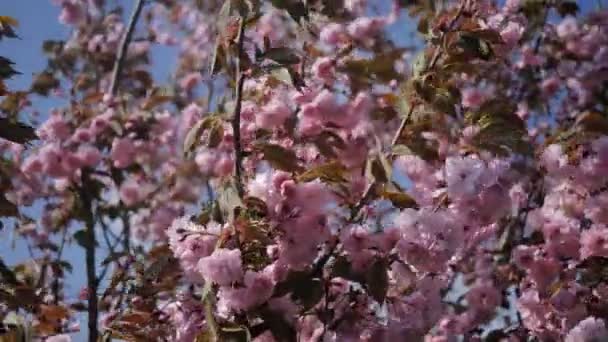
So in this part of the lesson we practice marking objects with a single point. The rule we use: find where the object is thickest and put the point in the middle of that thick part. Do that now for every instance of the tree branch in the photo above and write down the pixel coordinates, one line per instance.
(55, 285)
(89, 219)
(407, 118)
(236, 118)
(124, 46)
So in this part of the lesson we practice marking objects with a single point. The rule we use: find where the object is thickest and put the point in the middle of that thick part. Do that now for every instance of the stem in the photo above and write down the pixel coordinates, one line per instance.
(368, 191)
(92, 303)
(111, 248)
(407, 118)
(124, 45)
(58, 260)
(126, 230)
(236, 119)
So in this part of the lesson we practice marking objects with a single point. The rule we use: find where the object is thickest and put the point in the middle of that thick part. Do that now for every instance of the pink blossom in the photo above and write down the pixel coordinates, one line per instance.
(55, 128)
(332, 34)
(273, 114)
(512, 6)
(224, 166)
(594, 242)
(206, 161)
(223, 266)
(257, 290)
(323, 69)
(553, 157)
(32, 164)
(600, 147)
(59, 338)
(365, 28)
(483, 297)
(550, 85)
(188, 82)
(52, 160)
(101, 122)
(89, 155)
(355, 6)
(191, 242)
(463, 176)
(580, 90)
(473, 97)
(82, 135)
(567, 28)
(130, 192)
(415, 168)
(590, 329)
(595, 208)
(512, 33)
(71, 12)
(123, 152)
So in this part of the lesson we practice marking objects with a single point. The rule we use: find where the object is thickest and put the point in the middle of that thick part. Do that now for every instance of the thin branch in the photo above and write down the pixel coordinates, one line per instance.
(407, 118)
(111, 249)
(236, 119)
(55, 285)
(124, 46)
(368, 191)
(92, 300)
(126, 231)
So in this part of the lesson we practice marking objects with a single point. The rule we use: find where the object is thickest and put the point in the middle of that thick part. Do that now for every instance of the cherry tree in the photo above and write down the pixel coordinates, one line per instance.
(313, 171)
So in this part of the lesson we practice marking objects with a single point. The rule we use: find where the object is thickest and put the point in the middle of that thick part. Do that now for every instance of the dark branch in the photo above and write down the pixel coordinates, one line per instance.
(124, 46)
(407, 118)
(89, 219)
(236, 119)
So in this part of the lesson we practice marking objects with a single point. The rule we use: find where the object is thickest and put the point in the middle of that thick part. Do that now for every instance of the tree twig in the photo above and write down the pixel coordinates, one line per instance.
(55, 286)
(89, 219)
(124, 46)
(407, 118)
(236, 118)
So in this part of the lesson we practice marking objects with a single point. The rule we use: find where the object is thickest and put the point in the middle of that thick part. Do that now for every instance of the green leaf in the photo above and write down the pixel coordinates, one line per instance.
(567, 7)
(376, 280)
(8, 276)
(6, 27)
(114, 257)
(192, 140)
(16, 132)
(44, 83)
(296, 9)
(327, 142)
(341, 267)
(65, 265)
(82, 238)
(399, 199)
(488, 35)
(6, 68)
(228, 200)
(216, 134)
(420, 64)
(7, 208)
(281, 55)
(501, 130)
(593, 270)
(331, 172)
(235, 334)
(380, 68)
(279, 157)
(304, 290)
(472, 46)
(380, 168)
